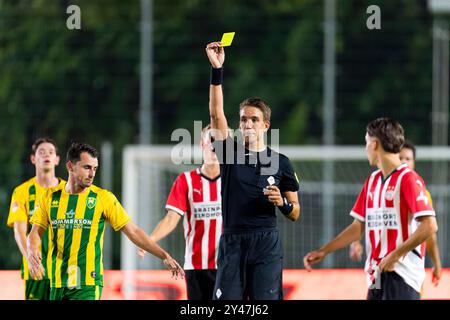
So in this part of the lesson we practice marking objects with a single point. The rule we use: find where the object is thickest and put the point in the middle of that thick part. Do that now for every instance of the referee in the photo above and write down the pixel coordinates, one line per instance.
(255, 180)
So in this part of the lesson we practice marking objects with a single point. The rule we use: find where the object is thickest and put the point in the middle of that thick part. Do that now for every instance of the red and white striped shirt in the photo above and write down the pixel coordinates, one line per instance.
(389, 209)
(198, 199)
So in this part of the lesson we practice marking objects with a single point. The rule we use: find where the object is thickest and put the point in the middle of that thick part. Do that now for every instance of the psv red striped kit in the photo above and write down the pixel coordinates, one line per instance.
(389, 208)
(198, 200)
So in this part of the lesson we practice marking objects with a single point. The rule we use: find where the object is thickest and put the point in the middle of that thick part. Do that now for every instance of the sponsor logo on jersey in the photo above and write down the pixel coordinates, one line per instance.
(70, 223)
(207, 210)
(379, 217)
(70, 214)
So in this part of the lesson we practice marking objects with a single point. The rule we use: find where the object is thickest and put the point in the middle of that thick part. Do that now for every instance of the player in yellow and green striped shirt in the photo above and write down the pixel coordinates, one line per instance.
(44, 156)
(75, 215)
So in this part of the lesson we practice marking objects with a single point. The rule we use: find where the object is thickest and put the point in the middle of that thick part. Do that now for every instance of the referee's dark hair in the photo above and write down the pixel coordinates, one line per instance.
(389, 132)
(257, 103)
(409, 145)
(76, 149)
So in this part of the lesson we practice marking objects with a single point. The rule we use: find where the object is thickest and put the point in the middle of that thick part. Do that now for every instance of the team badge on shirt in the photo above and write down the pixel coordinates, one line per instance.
(389, 195)
(14, 206)
(90, 202)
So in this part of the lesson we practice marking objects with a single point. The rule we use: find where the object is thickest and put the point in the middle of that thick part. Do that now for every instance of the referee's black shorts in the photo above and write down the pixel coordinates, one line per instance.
(393, 287)
(249, 266)
(200, 284)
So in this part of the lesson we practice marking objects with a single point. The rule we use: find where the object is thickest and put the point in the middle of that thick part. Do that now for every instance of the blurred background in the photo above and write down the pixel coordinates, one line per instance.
(137, 70)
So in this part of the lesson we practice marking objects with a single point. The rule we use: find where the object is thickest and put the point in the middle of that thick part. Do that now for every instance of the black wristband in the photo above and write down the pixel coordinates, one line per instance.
(287, 207)
(216, 76)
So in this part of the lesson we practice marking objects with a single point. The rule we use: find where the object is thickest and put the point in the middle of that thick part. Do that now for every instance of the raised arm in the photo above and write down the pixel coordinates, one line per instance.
(144, 241)
(216, 56)
(34, 254)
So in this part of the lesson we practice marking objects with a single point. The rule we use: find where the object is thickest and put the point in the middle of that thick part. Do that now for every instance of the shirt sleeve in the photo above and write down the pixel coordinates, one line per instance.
(41, 212)
(18, 208)
(114, 212)
(178, 198)
(289, 180)
(359, 208)
(414, 192)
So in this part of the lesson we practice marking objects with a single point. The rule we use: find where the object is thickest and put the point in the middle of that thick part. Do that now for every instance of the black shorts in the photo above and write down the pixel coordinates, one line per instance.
(249, 266)
(393, 287)
(200, 284)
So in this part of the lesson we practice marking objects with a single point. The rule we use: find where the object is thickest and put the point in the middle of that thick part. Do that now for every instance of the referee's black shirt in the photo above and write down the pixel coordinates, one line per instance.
(244, 175)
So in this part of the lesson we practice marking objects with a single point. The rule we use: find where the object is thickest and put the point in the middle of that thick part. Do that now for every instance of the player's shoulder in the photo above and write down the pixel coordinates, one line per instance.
(411, 175)
(100, 192)
(188, 173)
(48, 192)
(25, 186)
(61, 183)
(102, 195)
(374, 174)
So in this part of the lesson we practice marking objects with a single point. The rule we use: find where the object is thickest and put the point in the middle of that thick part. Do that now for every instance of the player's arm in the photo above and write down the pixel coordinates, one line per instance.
(356, 250)
(216, 56)
(433, 251)
(427, 226)
(165, 226)
(18, 219)
(33, 253)
(287, 203)
(352, 233)
(20, 235)
(144, 241)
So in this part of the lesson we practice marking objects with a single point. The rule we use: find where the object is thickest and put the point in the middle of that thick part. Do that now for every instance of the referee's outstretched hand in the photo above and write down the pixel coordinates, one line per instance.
(216, 54)
(313, 257)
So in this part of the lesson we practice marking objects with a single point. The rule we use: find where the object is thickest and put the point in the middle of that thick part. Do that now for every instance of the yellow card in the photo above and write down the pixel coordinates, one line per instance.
(227, 38)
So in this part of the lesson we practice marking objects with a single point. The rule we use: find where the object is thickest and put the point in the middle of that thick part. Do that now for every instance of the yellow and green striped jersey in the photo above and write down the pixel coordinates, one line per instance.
(76, 224)
(23, 203)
